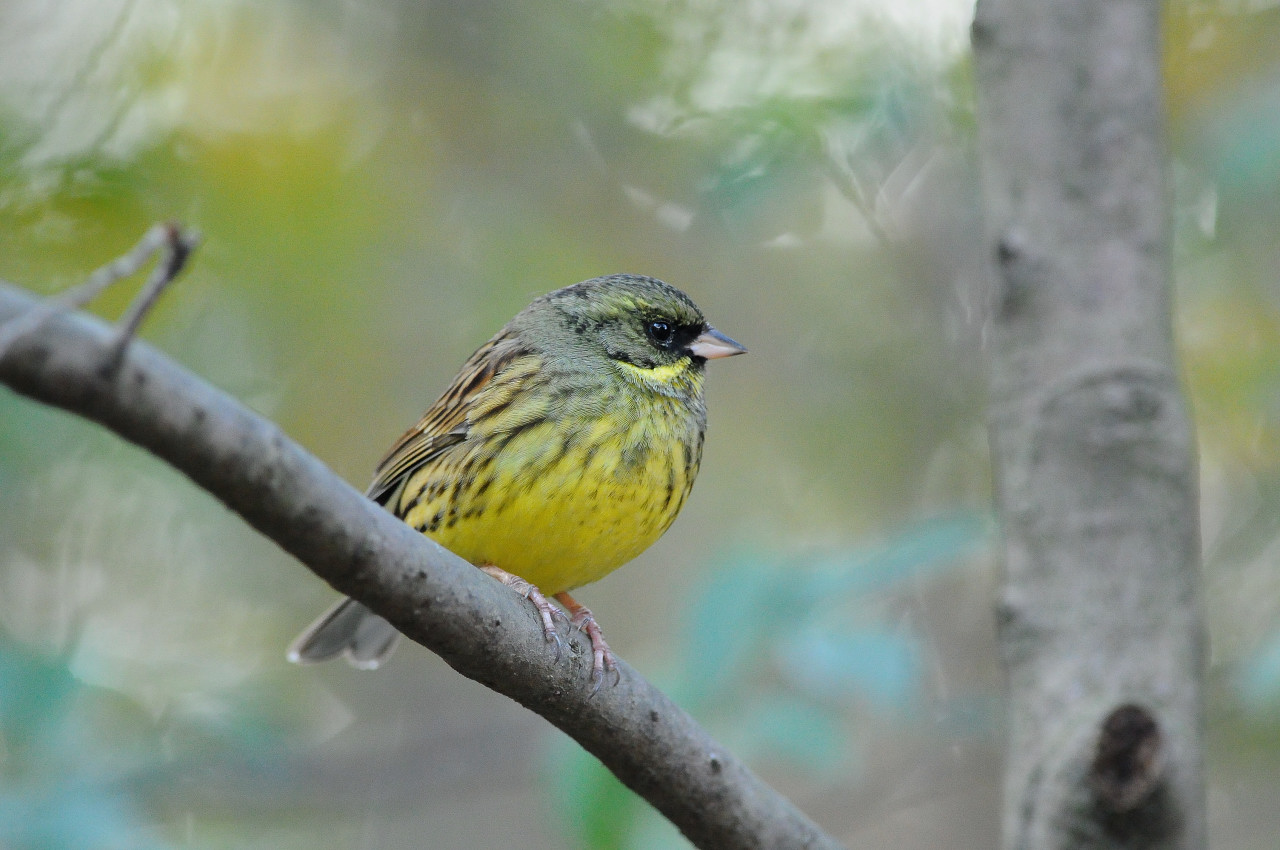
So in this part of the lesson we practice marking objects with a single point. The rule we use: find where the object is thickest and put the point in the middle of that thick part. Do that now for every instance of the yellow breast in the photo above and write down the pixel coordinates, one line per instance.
(561, 502)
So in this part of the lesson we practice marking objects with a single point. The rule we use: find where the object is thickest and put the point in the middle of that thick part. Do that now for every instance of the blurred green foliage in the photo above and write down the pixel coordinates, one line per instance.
(381, 184)
(781, 658)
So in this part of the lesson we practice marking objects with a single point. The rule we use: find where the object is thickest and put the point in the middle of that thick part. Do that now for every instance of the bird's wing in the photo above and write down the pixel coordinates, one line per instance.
(447, 421)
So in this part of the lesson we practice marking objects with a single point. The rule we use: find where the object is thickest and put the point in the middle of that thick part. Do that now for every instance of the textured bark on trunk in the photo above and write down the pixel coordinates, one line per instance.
(1095, 459)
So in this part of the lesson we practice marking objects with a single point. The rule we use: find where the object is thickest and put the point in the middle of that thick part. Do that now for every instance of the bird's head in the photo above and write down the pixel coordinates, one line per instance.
(653, 331)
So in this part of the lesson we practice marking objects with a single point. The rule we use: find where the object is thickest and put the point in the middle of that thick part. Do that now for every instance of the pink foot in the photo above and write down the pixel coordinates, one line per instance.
(601, 657)
(546, 610)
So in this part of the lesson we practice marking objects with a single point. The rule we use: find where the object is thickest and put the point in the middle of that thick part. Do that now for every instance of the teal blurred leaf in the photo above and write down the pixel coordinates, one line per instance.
(971, 714)
(51, 798)
(35, 696)
(729, 613)
(597, 809)
(1258, 681)
(71, 815)
(780, 651)
(33, 435)
(1247, 140)
(755, 601)
(88, 767)
(880, 666)
(926, 548)
(796, 730)
(766, 183)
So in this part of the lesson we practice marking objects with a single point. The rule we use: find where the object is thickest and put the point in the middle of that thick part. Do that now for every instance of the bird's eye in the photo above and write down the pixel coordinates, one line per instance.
(661, 332)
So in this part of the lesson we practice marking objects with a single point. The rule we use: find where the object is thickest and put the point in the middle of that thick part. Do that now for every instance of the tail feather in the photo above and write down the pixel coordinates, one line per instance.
(350, 630)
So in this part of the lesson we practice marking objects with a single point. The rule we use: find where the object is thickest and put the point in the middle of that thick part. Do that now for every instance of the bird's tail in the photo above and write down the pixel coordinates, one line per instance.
(348, 629)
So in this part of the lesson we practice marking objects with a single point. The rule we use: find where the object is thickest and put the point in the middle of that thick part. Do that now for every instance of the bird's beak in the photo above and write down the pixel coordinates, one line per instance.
(712, 344)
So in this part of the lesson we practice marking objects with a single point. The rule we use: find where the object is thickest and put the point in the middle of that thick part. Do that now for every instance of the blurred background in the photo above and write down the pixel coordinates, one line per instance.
(380, 186)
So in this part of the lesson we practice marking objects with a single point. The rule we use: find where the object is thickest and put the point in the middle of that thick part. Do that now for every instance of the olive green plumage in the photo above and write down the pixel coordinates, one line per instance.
(566, 445)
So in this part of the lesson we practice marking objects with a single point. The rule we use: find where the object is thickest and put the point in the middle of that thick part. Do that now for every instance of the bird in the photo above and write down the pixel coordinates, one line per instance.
(565, 446)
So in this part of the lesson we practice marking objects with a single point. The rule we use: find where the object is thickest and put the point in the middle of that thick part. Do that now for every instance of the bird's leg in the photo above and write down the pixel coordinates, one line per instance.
(546, 610)
(601, 657)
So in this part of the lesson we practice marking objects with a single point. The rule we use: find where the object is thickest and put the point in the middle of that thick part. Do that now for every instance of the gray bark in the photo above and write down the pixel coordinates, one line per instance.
(482, 629)
(1094, 452)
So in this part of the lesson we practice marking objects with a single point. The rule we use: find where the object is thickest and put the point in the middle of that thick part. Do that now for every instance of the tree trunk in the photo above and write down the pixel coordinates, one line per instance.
(1099, 618)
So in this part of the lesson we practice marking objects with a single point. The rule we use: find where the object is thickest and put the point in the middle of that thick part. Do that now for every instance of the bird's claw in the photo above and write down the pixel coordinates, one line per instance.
(602, 660)
(598, 674)
(546, 611)
(579, 618)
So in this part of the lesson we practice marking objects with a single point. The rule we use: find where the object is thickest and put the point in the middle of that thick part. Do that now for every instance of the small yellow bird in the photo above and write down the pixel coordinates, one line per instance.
(564, 448)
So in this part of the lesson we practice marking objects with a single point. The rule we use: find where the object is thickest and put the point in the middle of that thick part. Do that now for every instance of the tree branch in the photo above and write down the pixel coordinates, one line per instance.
(480, 628)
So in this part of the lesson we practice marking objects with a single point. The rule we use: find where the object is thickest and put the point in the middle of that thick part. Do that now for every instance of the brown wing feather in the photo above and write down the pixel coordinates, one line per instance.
(446, 422)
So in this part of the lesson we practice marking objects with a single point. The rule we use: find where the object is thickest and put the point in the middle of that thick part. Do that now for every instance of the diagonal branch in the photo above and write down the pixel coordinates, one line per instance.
(478, 627)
